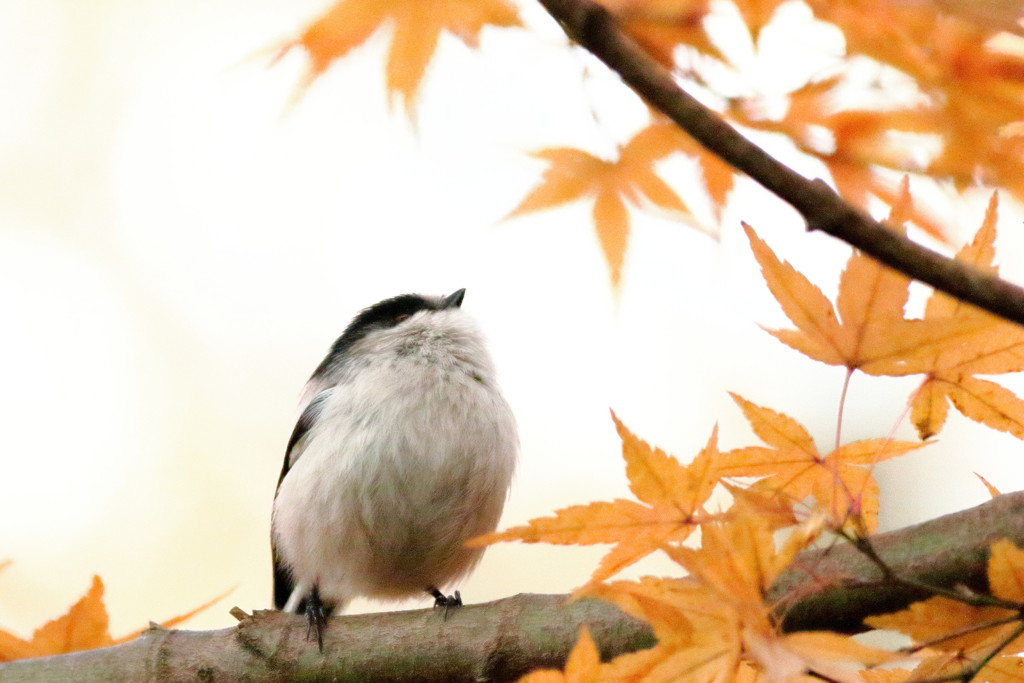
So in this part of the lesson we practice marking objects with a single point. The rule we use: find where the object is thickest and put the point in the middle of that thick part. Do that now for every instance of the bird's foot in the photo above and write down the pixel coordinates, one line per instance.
(446, 601)
(316, 614)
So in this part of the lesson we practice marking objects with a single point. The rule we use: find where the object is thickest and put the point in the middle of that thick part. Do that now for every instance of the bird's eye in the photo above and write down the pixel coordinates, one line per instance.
(401, 316)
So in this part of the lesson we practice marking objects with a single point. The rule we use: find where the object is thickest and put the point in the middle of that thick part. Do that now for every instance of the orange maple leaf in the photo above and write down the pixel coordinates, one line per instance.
(757, 13)
(662, 26)
(969, 91)
(671, 503)
(950, 373)
(84, 627)
(886, 675)
(851, 143)
(725, 623)
(945, 624)
(964, 635)
(660, 38)
(950, 345)
(416, 29)
(662, 602)
(582, 666)
(1005, 669)
(699, 636)
(992, 490)
(863, 139)
(573, 174)
(870, 331)
(792, 467)
(1006, 571)
(719, 177)
(821, 653)
(739, 561)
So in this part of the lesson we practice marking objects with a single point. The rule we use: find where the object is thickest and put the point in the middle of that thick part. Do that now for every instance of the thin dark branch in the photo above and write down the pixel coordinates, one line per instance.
(968, 673)
(961, 632)
(836, 588)
(594, 28)
(1005, 643)
(865, 546)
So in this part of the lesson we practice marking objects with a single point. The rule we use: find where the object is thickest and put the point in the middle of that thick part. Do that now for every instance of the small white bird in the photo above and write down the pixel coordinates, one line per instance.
(403, 451)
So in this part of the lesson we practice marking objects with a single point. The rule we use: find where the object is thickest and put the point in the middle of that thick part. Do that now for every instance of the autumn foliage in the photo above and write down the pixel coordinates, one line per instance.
(83, 627)
(958, 94)
(717, 624)
(787, 492)
(732, 520)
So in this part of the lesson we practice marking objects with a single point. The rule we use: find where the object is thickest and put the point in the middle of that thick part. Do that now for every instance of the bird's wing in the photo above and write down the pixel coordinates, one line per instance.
(297, 442)
(283, 582)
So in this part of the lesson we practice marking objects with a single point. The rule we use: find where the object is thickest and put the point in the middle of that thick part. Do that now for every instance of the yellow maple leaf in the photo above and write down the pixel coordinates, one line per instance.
(793, 468)
(671, 503)
(573, 174)
(416, 28)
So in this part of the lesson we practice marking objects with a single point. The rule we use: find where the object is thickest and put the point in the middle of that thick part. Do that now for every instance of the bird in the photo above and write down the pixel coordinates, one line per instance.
(404, 449)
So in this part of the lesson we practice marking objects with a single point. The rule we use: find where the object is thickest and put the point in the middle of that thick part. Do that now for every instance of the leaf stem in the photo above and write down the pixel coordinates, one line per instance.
(842, 407)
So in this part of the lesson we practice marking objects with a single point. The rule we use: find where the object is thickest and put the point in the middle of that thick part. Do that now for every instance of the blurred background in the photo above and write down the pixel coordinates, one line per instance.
(182, 236)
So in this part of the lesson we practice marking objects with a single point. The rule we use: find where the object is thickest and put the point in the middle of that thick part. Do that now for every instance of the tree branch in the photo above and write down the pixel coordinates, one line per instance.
(830, 589)
(836, 588)
(594, 28)
(497, 641)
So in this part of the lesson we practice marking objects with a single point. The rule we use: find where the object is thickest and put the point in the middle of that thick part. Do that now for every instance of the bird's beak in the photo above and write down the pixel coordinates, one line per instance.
(454, 300)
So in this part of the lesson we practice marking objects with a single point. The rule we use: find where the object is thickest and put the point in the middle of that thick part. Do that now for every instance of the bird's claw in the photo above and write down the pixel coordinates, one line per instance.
(317, 617)
(446, 601)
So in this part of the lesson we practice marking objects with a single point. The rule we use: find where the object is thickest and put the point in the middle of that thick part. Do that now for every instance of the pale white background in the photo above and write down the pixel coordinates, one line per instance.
(181, 240)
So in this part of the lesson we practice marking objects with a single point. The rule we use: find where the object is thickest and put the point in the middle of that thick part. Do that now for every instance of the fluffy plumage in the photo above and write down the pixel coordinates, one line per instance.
(403, 451)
